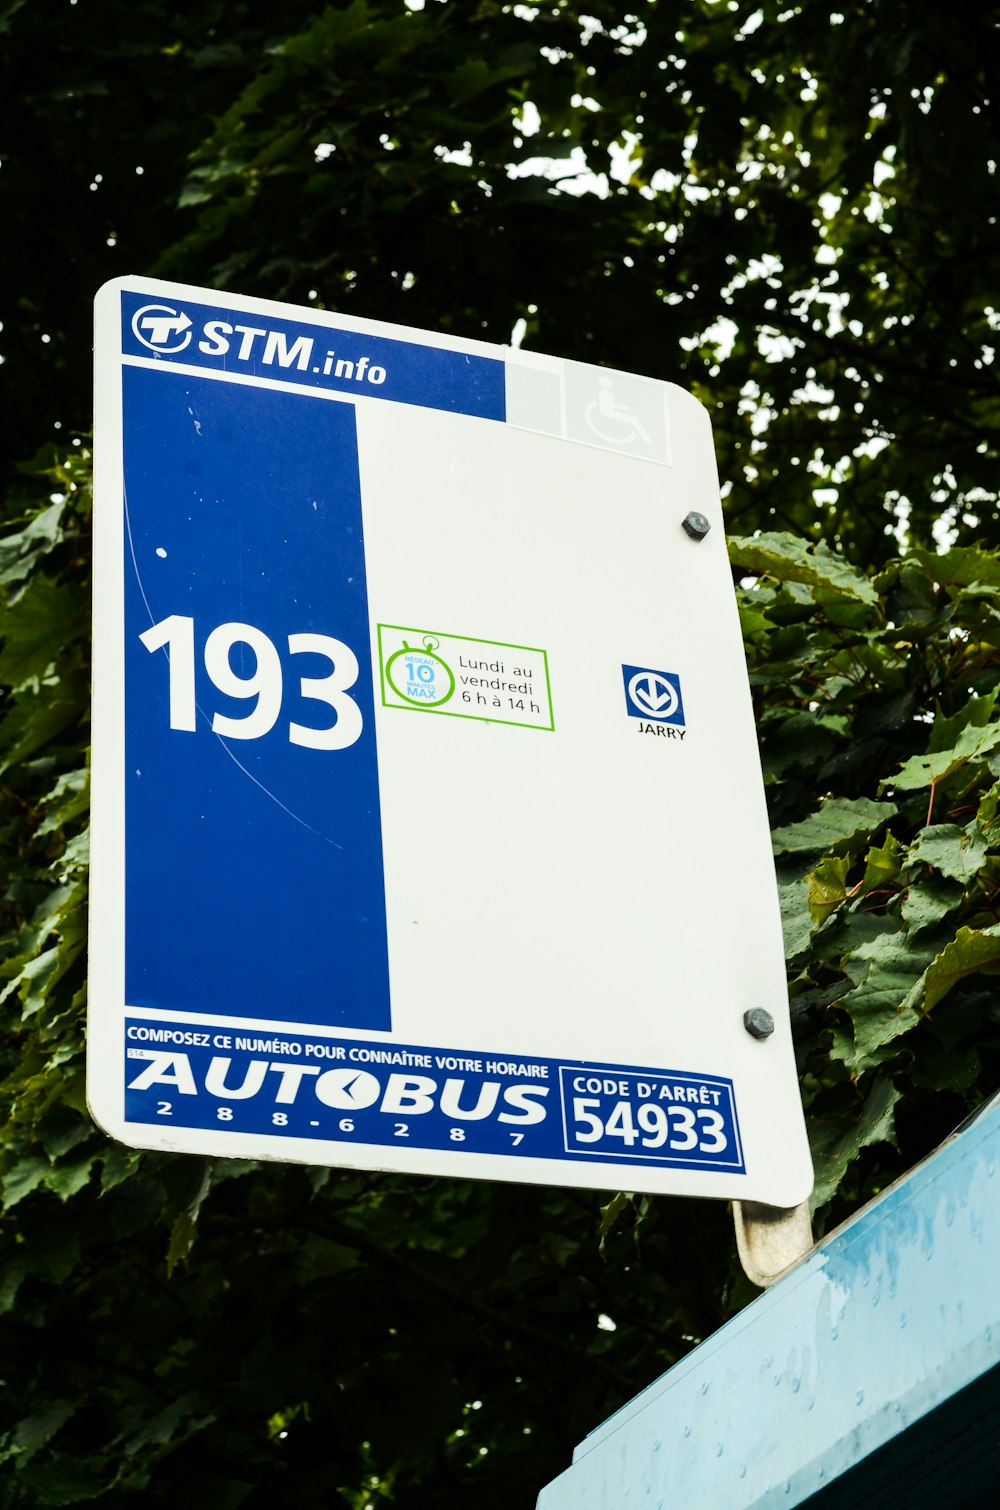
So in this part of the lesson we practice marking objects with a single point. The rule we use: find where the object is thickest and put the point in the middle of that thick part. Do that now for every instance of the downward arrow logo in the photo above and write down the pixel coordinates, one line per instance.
(653, 694)
(647, 693)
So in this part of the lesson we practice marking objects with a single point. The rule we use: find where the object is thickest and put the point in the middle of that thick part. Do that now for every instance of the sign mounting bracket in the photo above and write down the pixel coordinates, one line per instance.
(771, 1240)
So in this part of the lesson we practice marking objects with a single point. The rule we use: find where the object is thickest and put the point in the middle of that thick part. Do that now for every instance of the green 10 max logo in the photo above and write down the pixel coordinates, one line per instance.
(420, 676)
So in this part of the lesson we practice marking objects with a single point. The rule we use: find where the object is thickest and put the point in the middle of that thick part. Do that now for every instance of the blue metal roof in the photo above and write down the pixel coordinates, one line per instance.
(869, 1375)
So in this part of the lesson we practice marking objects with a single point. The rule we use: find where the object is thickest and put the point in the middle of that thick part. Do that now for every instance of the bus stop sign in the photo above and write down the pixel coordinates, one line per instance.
(422, 734)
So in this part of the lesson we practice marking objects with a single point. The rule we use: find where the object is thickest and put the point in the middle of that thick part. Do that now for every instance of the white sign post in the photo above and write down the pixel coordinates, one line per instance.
(429, 831)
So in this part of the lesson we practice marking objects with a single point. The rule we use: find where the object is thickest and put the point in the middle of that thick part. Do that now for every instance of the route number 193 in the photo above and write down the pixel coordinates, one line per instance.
(265, 684)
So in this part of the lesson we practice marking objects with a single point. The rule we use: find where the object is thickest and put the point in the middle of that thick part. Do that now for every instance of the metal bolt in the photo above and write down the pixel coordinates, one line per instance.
(696, 525)
(758, 1022)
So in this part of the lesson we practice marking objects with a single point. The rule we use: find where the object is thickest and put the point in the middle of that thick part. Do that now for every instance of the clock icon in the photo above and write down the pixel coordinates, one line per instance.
(420, 677)
(348, 1089)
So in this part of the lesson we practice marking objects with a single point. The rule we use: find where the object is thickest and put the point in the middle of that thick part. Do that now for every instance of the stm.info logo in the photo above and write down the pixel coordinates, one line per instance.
(167, 332)
(162, 329)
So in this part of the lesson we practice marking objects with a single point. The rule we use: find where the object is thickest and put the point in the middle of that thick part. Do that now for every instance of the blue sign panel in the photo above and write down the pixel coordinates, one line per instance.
(307, 355)
(252, 829)
(459, 1100)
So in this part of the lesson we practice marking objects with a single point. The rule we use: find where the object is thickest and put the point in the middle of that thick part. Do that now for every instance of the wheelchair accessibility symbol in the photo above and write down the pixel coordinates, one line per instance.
(653, 694)
(612, 421)
(616, 411)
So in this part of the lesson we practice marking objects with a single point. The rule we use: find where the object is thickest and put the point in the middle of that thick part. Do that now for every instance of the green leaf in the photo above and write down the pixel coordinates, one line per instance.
(884, 1003)
(25, 1176)
(471, 78)
(69, 1176)
(612, 1213)
(929, 902)
(183, 1232)
(182, 1236)
(882, 866)
(68, 799)
(7, 10)
(961, 566)
(35, 630)
(939, 1068)
(119, 1164)
(973, 951)
(20, 553)
(796, 921)
(923, 770)
(65, 1481)
(754, 623)
(183, 1416)
(839, 821)
(39, 976)
(37, 1430)
(12, 1274)
(827, 886)
(75, 857)
(789, 558)
(837, 1143)
(957, 853)
(976, 714)
(988, 815)
(34, 723)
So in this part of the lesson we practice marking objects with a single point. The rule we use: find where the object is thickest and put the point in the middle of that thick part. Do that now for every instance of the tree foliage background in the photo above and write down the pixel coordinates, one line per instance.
(790, 209)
